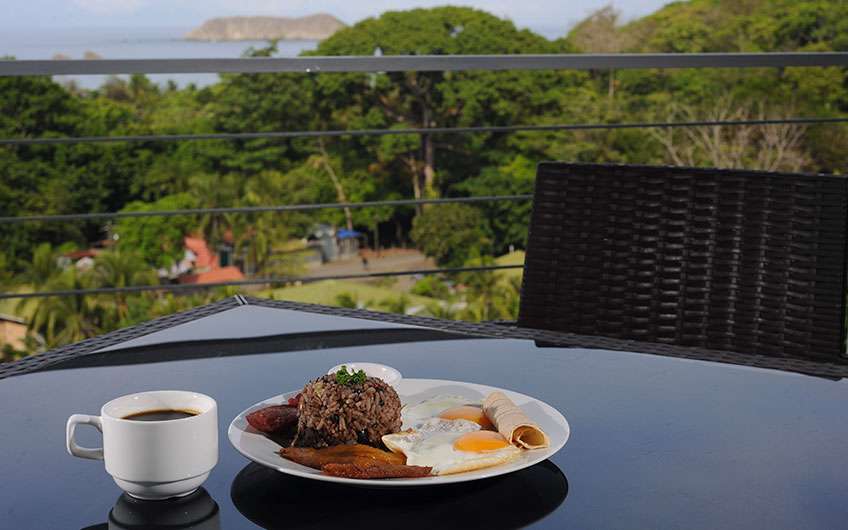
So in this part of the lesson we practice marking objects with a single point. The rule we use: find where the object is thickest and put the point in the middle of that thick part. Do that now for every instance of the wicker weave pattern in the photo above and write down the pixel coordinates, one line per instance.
(742, 261)
(94, 344)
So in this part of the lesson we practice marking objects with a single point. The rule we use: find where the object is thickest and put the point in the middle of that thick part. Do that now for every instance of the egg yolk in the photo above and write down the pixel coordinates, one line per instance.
(480, 442)
(468, 412)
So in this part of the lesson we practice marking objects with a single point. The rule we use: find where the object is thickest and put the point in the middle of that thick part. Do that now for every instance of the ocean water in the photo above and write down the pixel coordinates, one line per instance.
(143, 43)
(129, 43)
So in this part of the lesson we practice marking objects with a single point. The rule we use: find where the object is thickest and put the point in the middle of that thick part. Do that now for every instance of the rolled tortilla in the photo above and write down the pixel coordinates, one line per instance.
(512, 423)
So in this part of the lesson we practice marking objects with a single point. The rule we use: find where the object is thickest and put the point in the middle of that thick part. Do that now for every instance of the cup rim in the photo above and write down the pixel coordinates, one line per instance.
(105, 414)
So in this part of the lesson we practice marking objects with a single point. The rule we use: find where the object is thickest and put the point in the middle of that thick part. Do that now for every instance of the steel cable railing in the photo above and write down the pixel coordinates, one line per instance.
(412, 130)
(379, 64)
(252, 281)
(259, 209)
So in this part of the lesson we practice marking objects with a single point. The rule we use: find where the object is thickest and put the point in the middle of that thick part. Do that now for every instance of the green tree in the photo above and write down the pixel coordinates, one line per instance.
(121, 268)
(67, 319)
(509, 219)
(452, 233)
(33, 107)
(259, 237)
(259, 102)
(489, 295)
(157, 240)
(38, 273)
(5, 273)
(56, 179)
(42, 267)
(433, 99)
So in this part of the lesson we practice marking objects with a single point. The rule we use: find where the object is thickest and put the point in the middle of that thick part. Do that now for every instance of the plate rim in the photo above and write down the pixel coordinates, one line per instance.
(435, 480)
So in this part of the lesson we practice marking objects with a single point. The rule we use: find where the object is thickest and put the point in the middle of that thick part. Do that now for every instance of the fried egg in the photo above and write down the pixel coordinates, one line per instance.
(445, 407)
(451, 446)
(439, 425)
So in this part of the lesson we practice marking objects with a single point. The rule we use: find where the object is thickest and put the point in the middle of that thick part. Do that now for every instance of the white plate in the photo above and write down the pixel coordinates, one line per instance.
(257, 447)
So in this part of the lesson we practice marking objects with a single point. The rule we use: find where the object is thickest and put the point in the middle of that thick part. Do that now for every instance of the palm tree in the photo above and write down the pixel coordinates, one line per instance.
(42, 268)
(490, 295)
(66, 319)
(120, 268)
(481, 293)
(213, 191)
(254, 236)
(38, 272)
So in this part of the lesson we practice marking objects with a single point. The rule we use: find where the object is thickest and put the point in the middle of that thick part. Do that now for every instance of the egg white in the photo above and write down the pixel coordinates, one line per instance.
(432, 446)
(413, 415)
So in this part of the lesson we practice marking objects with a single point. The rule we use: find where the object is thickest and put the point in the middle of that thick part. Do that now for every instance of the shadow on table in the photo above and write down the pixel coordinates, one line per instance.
(197, 511)
(286, 342)
(272, 499)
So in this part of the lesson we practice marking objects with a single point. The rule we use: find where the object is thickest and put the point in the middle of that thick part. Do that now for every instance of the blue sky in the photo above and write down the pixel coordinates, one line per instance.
(186, 13)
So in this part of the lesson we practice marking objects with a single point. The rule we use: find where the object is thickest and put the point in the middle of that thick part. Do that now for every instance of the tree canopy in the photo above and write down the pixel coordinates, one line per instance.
(152, 176)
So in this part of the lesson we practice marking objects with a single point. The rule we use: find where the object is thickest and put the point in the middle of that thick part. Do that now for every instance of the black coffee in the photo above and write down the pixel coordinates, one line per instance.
(161, 415)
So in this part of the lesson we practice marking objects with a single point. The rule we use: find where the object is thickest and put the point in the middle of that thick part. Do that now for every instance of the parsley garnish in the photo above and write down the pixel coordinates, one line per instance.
(343, 377)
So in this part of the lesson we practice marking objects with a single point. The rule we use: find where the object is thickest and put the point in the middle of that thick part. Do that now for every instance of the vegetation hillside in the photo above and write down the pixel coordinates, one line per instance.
(742, 26)
(137, 176)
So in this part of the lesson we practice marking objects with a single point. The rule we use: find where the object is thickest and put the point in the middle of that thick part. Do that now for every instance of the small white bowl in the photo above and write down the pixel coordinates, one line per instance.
(386, 373)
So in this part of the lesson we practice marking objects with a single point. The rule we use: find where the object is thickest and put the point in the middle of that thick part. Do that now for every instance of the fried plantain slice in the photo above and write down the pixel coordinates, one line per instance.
(364, 468)
(339, 454)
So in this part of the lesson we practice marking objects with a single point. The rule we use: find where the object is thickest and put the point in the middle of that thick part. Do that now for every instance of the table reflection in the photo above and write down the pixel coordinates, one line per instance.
(197, 511)
(272, 499)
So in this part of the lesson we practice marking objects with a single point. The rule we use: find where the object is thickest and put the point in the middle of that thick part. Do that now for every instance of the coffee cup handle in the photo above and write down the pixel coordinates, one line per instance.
(70, 442)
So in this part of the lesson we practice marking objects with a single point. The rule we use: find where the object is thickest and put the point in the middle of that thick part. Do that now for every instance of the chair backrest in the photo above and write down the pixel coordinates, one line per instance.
(745, 261)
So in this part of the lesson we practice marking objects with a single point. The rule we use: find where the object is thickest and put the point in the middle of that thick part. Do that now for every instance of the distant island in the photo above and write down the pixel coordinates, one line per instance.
(312, 27)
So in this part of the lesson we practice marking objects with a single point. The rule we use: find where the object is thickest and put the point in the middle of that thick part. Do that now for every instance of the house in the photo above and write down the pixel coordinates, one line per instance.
(83, 259)
(198, 265)
(201, 265)
(332, 244)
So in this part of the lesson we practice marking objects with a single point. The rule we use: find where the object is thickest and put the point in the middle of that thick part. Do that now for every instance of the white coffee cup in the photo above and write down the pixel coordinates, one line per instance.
(154, 459)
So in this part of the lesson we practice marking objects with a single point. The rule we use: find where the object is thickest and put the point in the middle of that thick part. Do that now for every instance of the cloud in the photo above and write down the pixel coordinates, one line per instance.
(109, 7)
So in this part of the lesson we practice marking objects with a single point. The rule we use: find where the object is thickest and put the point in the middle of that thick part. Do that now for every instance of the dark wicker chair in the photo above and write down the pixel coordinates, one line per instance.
(742, 261)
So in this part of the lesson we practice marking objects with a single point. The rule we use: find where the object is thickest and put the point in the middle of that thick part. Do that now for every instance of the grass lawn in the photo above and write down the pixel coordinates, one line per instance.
(326, 292)
(513, 258)
(9, 306)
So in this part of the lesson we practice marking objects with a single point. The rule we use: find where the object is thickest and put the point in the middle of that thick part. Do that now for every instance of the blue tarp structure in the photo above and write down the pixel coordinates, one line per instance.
(344, 233)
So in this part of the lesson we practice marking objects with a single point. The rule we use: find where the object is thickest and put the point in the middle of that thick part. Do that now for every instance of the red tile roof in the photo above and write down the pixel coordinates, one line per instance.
(205, 257)
(79, 254)
(223, 274)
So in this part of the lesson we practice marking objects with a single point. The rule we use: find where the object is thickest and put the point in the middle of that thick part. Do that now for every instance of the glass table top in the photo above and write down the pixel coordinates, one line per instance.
(657, 442)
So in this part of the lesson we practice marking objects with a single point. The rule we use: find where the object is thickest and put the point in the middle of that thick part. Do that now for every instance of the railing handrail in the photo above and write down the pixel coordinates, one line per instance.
(421, 63)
